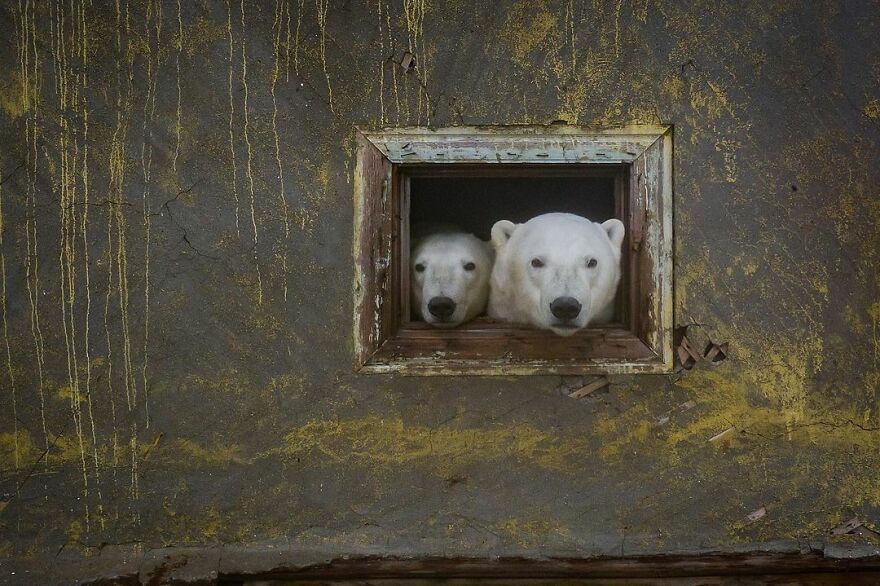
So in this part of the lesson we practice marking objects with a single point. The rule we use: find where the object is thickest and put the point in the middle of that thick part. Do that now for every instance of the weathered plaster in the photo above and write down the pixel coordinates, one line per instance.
(176, 221)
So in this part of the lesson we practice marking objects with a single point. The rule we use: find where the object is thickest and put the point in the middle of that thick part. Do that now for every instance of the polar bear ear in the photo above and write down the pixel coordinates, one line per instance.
(501, 233)
(615, 231)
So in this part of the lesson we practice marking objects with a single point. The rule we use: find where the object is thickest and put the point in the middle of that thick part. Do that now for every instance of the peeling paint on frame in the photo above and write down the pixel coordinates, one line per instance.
(648, 145)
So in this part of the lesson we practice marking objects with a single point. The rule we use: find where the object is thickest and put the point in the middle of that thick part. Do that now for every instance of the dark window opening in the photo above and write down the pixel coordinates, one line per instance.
(474, 197)
(475, 203)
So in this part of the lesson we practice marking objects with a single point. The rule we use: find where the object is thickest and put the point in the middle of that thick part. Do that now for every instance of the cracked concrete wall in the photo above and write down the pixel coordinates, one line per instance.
(176, 279)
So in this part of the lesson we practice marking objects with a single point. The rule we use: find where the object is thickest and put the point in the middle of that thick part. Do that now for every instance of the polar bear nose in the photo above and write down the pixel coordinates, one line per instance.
(565, 308)
(441, 307)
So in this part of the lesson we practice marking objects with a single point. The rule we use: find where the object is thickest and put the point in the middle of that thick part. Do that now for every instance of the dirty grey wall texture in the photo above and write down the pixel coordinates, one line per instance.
(177, 281)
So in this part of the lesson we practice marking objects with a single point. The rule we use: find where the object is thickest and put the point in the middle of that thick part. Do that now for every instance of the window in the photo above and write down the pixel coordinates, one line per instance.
(475, 176)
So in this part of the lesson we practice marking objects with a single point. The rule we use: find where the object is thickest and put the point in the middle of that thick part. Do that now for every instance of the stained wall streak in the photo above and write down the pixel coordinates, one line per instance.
(321, 8)
(66, 191)
(13, 400)
(154, 14)
(117, 252)
(232, 160)
(249, 168)
(414, 13)
(30, 73)
(299, 19)
(282, 198)
(177, 126)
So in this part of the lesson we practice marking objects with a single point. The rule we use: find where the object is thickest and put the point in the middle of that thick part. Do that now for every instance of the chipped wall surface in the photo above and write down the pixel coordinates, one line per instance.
(176, 280)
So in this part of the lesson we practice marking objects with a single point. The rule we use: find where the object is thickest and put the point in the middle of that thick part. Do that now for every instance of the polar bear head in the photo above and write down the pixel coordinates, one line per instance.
(449, 277)
(556, 271)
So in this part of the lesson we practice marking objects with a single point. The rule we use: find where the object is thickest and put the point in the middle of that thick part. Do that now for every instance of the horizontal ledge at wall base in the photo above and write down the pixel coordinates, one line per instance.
(655, 566)
(251, 564)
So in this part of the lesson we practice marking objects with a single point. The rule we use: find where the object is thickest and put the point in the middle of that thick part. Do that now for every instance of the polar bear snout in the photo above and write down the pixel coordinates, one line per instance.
(565, 308)
(441, 307)
(449, 277)
(557, 271)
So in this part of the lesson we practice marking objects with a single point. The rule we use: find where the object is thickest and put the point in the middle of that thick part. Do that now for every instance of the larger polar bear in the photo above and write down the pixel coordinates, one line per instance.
(449, 275)
(557, 271)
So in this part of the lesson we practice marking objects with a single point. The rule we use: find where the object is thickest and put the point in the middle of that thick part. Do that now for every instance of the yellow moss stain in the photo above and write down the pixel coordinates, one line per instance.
(213, 523)
(67, 449)
(17, 449)
(189, 451)
(66, 393)
(874, 313)
(728, 149)
(872, 109)
(722, 403)
(783, 371)
(74, 531)
(695, 274)
(13, 99)
(620, 433)
(529, 533)
(203, 526)
(854, 321)
(711, 100)
(572, 100)
(530, 26)
(200, 35)
(674, 86)
(390, 442)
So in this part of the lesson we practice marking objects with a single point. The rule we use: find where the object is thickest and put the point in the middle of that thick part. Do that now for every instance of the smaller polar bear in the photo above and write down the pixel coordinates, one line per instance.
(557, 271)
(449, 275)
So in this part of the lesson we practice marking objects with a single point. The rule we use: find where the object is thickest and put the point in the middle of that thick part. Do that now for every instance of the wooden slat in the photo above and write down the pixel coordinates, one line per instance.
(516, 345)
(585, 170)
(385, 340)
(372, 249)
(652, 259)
(524, 144)
(402, 268)
(637, 259)
(510, 570)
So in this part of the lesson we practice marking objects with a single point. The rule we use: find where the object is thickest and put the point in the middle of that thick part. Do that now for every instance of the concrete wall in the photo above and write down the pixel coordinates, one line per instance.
(176, 236)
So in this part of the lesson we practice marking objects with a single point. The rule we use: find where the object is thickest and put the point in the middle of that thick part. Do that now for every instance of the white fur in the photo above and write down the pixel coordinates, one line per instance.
(444, 256)
(521, 293)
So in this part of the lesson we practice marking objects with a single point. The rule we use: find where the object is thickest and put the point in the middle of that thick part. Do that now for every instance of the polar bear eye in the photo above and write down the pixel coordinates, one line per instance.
(420, 268)
(537, 263)
(591, 264)
(470, 266)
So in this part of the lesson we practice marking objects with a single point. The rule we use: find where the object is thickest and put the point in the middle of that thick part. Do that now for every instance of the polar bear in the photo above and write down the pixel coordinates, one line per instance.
(557, 271)
(449, 275)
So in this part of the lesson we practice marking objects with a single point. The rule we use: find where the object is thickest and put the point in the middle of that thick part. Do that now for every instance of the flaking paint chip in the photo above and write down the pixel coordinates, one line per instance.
(755, 515)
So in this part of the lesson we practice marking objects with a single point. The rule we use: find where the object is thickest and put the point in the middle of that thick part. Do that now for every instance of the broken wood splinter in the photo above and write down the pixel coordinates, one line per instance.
(590, 388)
(687, 356)
(715, 353)
(721, 435)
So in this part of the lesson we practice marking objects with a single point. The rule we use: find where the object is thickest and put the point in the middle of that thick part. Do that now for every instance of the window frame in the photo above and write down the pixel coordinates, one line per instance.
(385, 341)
